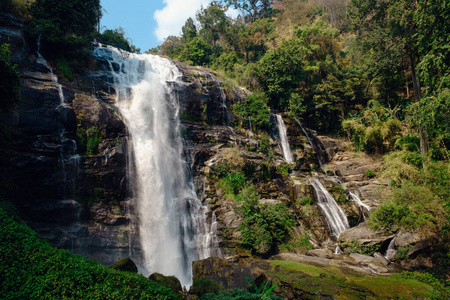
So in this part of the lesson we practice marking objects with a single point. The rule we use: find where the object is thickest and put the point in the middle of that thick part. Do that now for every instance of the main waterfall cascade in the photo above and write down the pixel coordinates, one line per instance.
(172, 221)
(285, 148)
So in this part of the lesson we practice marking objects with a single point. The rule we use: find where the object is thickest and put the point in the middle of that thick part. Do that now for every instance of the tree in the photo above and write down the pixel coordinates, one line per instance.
(197, 51)
(117, 39)
(394, 20)
(433, 41)
(252, 9)
(65, 26)
(213, 22)
(188, 31)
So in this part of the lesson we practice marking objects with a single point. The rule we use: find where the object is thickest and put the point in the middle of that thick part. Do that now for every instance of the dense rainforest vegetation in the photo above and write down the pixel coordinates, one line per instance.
(374, 72)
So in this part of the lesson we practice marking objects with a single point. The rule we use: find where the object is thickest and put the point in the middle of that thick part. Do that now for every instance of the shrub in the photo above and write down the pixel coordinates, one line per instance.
(264, 144)
(264, 226)
(284, 170)
(391, 217)
(370, 174)
(373, 140)
(231, 183)
(300, 244)
(202, 286)
(355, 247)
(65, 69)
(305, 201)
(402, 252)
(254, 110)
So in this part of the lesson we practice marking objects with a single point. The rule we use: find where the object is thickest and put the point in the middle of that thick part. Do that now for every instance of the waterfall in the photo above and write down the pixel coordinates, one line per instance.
(334, 215)
(316, 146)
(391, 252)
(69, 160)
(223, 102)
(285, 148)
(172, 221)
(361, 205)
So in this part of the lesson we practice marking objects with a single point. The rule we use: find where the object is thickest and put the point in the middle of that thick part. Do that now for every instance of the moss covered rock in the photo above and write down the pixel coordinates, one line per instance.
(125, 264)
(170, 282)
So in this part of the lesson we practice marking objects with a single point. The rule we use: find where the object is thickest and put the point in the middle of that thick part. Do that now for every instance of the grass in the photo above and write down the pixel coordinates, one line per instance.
(32, 269)
(333, 282)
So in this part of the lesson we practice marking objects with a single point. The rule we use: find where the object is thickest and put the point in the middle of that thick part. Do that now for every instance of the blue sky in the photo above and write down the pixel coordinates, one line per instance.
(148, 22)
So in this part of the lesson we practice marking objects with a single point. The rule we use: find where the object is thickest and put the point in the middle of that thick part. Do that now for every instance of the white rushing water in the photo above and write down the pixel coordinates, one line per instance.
(285, 148)
(334, 215)
(361, 205)
(315, 148)
(69, 160)
(391, 252)
(172, 221)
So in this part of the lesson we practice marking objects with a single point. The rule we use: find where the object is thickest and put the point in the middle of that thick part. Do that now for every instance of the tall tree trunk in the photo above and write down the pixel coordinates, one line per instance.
(424, 146)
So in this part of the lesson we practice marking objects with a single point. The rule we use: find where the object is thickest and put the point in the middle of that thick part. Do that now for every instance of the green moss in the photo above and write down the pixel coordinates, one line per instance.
(332, 282)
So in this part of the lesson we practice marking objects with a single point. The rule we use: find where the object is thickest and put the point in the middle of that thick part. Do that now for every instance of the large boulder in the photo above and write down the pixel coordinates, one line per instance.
(220, 270)
(365, 236)
(170, 282)
(125, 264)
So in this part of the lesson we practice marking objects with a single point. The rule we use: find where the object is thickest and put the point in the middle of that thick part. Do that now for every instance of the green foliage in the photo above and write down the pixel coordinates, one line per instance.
(402, 252)
(305, 201)
(391, 217)
(231, 183)
(370, 173)
(255, 110)
(355, 247)
(408, 143)
(116, 37)
(264, 144)
(375, 130)
(124, 264)
(299, 244)
(10, 83)
(197, 51)
(16, 7)
(284, 170)
(202, 286)
(264, 226)
(89, 140)
(64, 67)
(30, 268)
(65, 28)
(238, 294)
(338, 193)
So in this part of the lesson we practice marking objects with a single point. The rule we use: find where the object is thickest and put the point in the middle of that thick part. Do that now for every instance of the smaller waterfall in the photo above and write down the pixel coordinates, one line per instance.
(287, 154)
(361, 205)
(334, 215)
(316, 146)
(69, 160)
(391, 252)
(223, 104)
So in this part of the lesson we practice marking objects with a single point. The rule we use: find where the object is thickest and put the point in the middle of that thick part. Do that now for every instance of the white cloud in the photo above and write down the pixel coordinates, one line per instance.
(172, 17)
